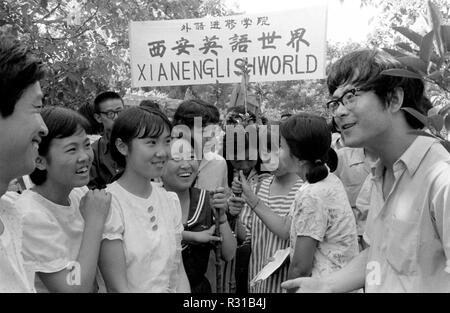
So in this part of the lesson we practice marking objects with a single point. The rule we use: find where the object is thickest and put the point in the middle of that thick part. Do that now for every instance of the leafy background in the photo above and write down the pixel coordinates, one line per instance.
(85, 45)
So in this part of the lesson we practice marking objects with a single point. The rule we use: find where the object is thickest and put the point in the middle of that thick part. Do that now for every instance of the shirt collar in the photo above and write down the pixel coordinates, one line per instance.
(357, 156)
(411, 158)
(104, 145)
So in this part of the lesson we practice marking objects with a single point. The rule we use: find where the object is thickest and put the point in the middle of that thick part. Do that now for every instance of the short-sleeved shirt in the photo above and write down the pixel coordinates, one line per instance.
(52, 233)
(322, 211)
(103, 168)
(409, 231)
(151, 231)
(13, 275)
(352, 170)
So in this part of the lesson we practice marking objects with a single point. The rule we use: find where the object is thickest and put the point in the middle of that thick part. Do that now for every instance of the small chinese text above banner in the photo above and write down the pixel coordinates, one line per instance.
(278, 46)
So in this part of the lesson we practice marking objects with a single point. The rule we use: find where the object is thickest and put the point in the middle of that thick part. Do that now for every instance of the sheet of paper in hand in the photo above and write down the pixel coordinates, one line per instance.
(278, 259)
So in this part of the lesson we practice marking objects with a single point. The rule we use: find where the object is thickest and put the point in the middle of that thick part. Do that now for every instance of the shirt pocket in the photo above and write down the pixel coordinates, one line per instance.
(402, 246)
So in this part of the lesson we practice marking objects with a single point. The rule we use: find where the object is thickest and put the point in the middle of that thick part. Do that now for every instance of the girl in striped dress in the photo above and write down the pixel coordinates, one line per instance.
(278, 193)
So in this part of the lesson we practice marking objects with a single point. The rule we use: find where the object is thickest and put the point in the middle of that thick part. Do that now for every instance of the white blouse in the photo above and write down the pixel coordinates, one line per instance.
(150, 229)
(13, 277)
(52, 233)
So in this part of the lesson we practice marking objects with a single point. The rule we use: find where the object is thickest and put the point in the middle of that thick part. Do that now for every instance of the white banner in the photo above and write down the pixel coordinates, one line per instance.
(278, 46)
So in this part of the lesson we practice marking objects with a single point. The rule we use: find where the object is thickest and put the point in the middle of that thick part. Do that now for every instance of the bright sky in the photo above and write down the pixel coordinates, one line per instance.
(346, 21)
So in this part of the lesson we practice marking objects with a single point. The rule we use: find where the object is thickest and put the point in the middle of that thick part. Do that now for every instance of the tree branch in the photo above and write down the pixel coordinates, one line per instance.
(78, 32)
(52, 10)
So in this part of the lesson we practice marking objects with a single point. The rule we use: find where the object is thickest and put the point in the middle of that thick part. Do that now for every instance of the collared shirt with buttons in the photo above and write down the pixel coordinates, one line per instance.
(409, 231)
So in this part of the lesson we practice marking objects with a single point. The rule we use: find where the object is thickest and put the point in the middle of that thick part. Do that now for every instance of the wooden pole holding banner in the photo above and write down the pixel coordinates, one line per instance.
(218, 247)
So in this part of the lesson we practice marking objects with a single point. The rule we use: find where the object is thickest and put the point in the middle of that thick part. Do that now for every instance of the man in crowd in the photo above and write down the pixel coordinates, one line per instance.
(107, 107)
(408, 188)
(21, 129)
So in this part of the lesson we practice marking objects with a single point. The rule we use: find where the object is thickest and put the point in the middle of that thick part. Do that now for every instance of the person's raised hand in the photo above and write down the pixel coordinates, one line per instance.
(247, 191)
(95, 204)
(235, 205)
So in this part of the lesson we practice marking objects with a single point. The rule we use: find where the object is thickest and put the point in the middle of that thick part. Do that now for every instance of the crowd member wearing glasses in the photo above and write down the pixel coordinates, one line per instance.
(408, 188)
(107, 107)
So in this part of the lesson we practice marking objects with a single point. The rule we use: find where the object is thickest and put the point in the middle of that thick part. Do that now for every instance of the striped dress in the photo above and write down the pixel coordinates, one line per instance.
(265, 243)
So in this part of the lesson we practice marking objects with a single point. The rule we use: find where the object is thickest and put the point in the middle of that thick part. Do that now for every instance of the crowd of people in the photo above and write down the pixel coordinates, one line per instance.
(183, 204)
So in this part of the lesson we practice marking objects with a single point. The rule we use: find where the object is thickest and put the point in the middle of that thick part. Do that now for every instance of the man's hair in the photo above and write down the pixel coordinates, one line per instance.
(19, 69)
(104, 96)
(363, 69)
(189, 109)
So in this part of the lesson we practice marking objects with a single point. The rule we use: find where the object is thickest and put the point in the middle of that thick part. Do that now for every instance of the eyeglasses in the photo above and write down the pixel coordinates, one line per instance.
(111, 114)
(347, 99)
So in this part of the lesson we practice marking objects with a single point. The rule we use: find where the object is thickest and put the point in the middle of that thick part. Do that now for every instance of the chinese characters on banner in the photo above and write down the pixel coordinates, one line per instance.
(278, 46)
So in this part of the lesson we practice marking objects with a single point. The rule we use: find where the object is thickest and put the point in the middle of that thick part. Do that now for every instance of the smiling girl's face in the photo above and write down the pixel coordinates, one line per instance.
(148, 156)
(68, 160)
(182, 167)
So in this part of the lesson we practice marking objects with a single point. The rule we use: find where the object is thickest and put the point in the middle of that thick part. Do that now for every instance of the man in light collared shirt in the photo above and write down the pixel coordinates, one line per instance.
(21, 129)
(408, 190)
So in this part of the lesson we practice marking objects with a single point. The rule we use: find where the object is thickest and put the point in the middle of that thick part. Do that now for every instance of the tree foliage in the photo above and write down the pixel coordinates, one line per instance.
(428, 54)
(85, 43)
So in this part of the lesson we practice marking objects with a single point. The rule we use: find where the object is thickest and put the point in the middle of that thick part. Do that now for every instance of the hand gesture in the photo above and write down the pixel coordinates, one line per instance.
(95, 204)
(247, 191)
(236, 186)
(235, 205)
(206, 236)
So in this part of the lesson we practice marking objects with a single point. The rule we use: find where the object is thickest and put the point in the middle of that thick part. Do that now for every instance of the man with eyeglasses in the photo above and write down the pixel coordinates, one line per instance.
(107, 107)
(408, 188)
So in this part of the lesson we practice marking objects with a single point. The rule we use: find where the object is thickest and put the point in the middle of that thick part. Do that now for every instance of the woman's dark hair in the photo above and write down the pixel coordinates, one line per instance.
(87, 110)
(309, 138)
(332, 160)
(136, 122)
(189, 109)
(19, 69)
(61, 123)
(363, 69)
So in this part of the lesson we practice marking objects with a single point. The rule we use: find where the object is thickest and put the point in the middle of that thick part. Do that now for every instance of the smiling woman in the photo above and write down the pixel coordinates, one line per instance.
(200, 211)
(60, 203)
